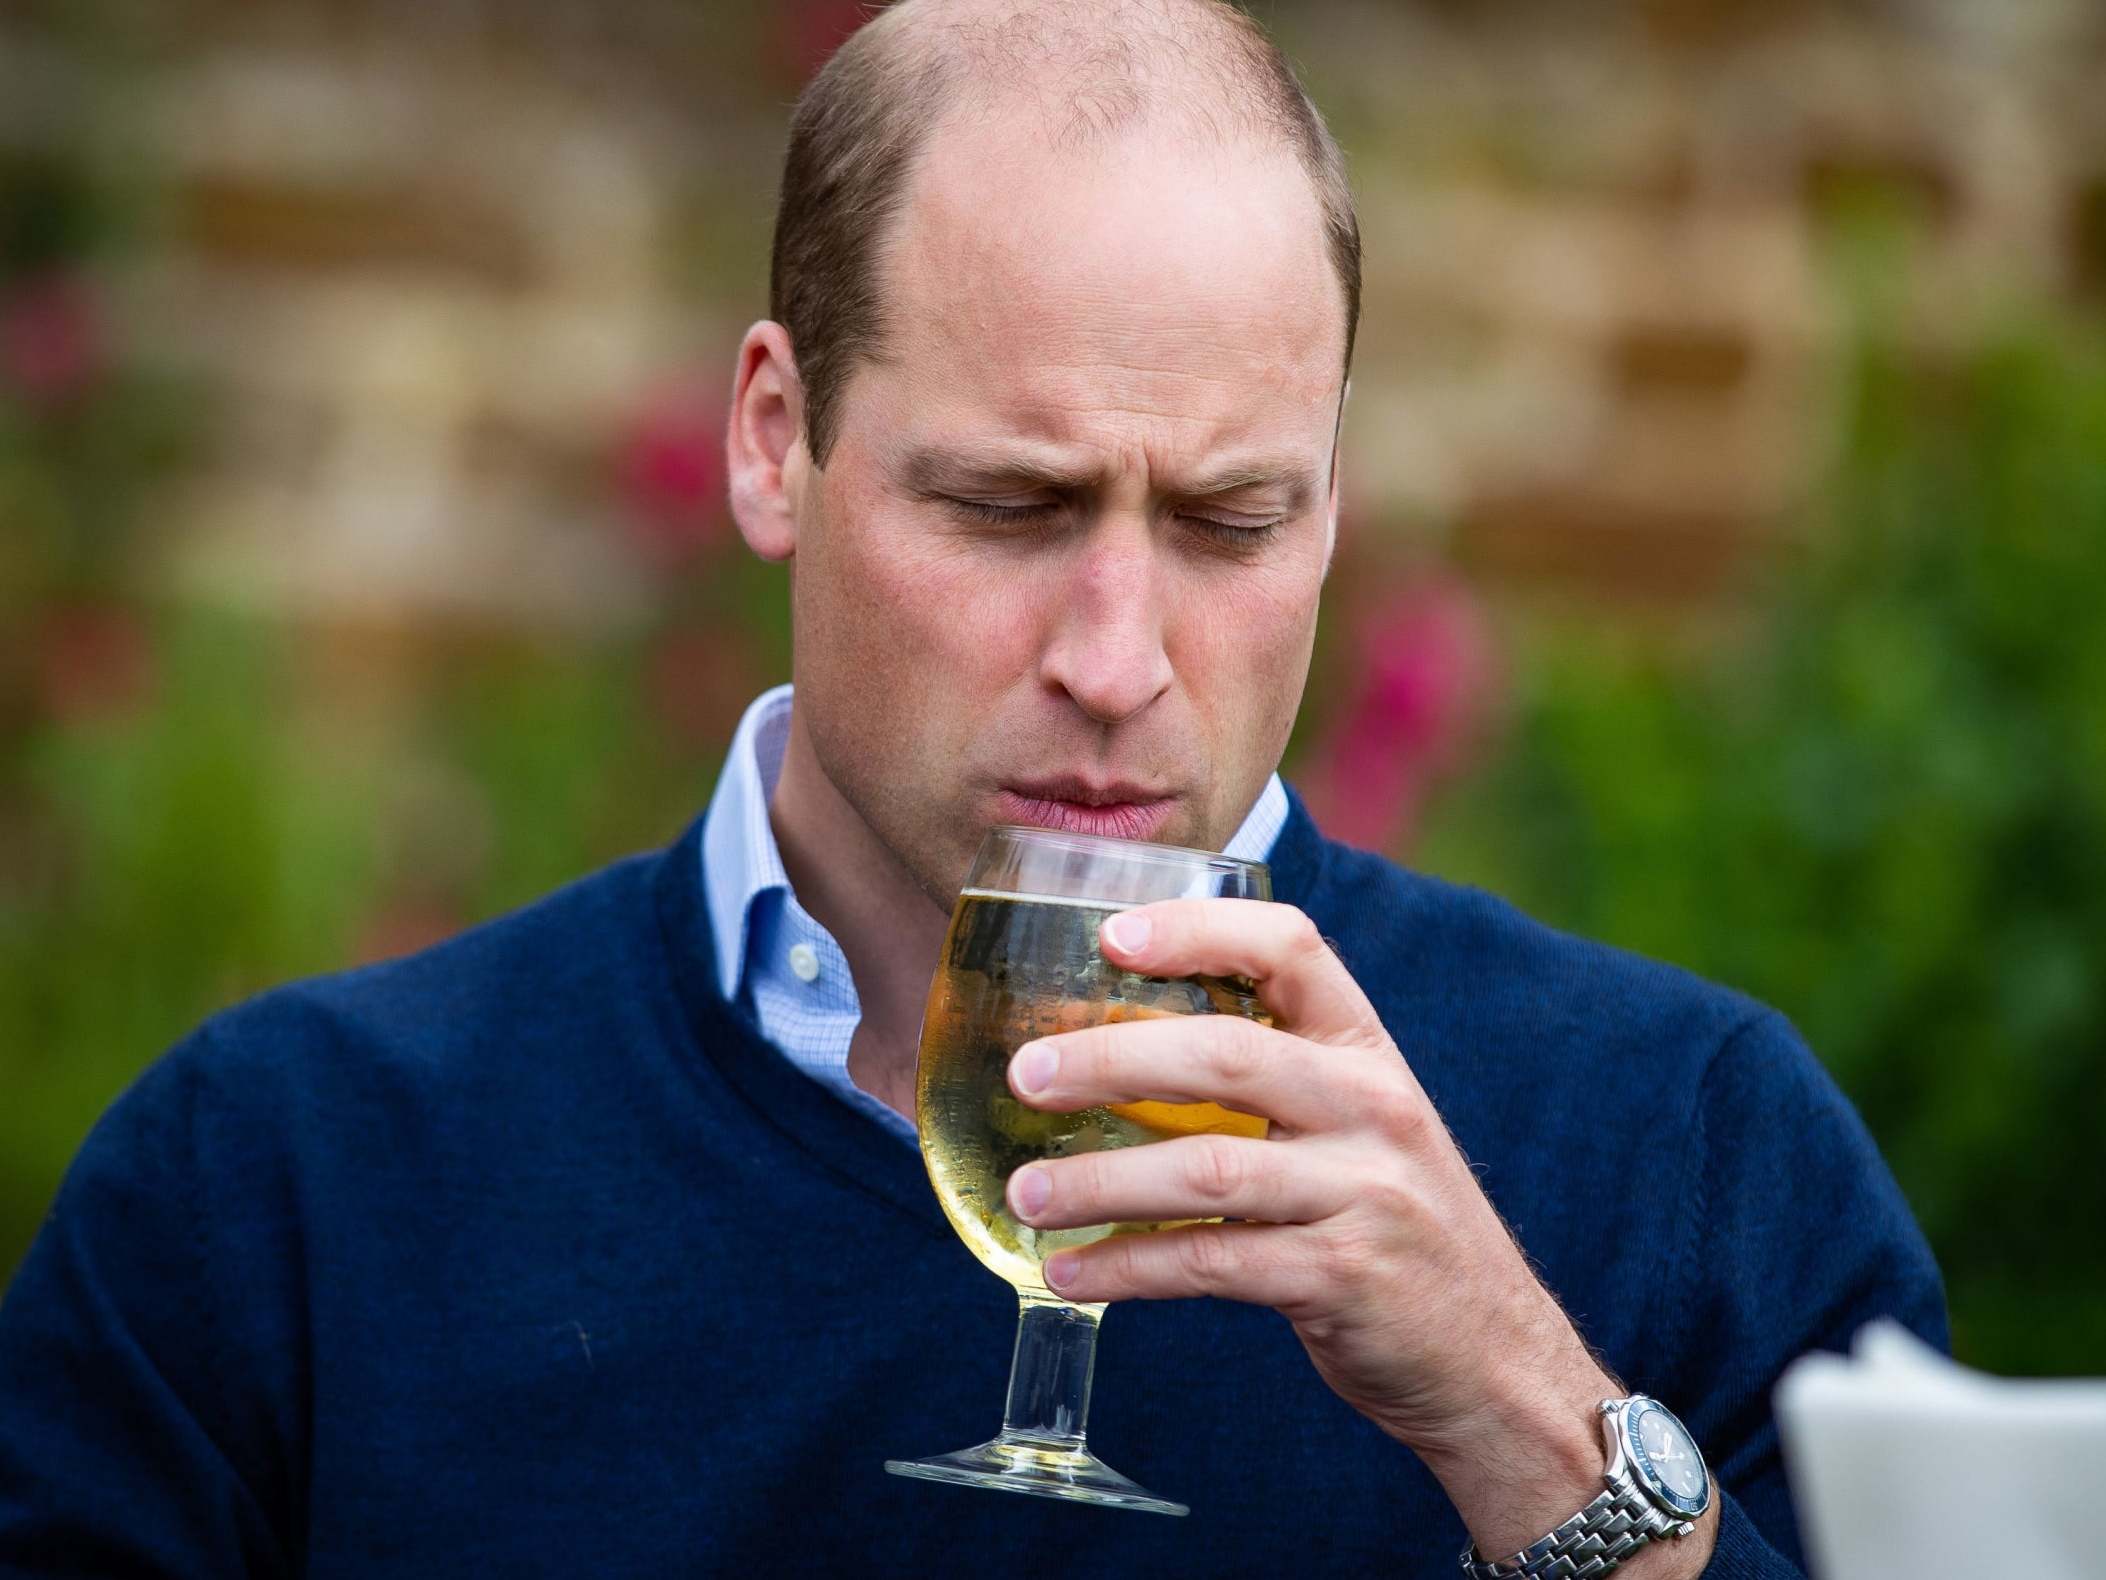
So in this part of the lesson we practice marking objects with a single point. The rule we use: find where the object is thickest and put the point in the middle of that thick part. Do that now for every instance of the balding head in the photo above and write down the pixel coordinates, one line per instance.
(1080, 74)
(1046, 423)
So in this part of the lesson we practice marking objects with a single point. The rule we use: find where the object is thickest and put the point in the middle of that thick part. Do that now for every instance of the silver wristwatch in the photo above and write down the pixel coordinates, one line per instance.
(1657, 1486)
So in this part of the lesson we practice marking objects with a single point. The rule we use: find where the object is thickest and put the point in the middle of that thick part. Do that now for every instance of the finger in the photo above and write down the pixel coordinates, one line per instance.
(1190, 1177)
(1240, 1064)
(1264, 1264)
(1305, 986)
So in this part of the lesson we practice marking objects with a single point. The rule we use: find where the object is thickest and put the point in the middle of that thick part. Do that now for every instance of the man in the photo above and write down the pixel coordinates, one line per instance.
(594, 1242)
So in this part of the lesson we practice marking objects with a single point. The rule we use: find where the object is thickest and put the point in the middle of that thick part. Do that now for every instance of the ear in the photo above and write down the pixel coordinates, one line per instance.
(764, 449)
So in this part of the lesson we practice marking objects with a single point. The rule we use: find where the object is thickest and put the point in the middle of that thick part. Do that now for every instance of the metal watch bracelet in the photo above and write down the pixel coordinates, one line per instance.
(1619, 1521)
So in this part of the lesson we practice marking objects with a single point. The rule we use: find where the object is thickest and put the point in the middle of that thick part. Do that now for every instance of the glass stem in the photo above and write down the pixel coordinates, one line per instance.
(1049, 1380)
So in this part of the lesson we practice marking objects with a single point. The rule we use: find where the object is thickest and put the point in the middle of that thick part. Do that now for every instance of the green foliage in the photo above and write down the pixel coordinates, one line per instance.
(1887, 817)
(273, 811)
(186, 855)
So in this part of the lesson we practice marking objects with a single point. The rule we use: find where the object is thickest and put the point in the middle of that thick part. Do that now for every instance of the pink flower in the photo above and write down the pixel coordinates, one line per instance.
(672, 473)
(1421, 694)
(93, 661)
(51, 345)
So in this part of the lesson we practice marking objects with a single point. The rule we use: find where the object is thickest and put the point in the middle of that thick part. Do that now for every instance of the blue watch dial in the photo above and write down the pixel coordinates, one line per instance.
(1665, 1458)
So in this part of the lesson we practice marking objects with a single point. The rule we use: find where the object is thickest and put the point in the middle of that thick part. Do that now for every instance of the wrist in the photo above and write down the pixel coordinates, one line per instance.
(1649, 1510)
(1522, 1463)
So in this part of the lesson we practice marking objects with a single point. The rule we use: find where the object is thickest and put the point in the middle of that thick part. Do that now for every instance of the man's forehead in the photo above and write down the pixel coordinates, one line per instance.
(1035, 278)
(993, 207)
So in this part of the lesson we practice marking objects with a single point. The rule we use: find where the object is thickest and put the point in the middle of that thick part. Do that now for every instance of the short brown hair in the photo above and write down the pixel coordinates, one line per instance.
(860, 123)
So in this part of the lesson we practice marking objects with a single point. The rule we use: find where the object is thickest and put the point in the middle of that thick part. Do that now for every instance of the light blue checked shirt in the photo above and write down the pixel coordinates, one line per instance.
(771, 954)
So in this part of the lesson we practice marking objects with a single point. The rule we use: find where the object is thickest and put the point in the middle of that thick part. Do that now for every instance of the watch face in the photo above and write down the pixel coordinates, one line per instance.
(1666, 1459)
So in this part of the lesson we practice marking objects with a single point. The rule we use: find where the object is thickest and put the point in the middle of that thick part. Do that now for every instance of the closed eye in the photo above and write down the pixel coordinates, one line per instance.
(1001, 515)
(1231, 535)
(1239, 535)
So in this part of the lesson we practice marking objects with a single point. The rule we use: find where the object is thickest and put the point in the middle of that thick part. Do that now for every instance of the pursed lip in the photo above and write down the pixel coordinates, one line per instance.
(1118, 809)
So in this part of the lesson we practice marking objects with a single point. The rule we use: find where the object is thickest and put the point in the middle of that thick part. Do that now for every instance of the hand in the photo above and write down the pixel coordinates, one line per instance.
(1363, 1223)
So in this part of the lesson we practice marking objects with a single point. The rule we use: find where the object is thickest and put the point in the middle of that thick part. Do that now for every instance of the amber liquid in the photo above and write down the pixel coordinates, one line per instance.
(1015, 967)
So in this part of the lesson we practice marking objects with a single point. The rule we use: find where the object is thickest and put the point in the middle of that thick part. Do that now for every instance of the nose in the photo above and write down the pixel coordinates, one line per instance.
(1105, 639)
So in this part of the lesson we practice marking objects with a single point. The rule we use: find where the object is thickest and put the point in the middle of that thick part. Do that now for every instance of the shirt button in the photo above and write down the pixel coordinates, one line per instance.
(804, 960)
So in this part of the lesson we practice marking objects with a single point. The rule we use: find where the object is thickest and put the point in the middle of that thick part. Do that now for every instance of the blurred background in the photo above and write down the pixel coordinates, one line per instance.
(1722, 570)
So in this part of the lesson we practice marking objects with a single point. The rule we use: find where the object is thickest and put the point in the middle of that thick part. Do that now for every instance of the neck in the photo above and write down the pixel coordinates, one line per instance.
(858, 890)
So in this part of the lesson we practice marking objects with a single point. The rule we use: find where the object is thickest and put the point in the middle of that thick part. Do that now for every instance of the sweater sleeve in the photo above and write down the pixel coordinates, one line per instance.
(139, 1432)
(1794, 1235)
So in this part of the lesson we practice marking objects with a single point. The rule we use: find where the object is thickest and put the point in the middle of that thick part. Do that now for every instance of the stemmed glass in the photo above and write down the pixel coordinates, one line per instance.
(1021, 961)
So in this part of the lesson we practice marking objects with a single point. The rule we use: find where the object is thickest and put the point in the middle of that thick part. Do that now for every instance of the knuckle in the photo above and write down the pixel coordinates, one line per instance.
(1078, 1185)
(1215, 1171)
(1400, 1115)
(1238, 1050)
(1391, 1195)
(1205, 1258)
(1087, 1061)
(1352, 1259)
(1110, 1267)
(1303, 935)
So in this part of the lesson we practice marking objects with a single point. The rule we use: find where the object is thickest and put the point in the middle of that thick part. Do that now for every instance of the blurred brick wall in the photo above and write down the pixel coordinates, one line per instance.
(1602, 309)
(441, 258)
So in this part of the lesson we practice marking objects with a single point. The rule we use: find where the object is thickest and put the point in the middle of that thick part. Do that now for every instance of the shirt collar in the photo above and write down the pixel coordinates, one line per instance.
(741, 861)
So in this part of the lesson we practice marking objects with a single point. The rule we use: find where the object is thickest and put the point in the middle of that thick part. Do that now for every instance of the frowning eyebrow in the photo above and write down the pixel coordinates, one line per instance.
(938, 470)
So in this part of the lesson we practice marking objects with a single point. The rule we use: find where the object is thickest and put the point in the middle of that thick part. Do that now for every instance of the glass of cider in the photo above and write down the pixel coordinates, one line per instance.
(1020, 961)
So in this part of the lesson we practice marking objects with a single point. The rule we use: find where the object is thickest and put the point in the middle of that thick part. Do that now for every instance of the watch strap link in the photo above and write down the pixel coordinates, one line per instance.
(1619, 1521)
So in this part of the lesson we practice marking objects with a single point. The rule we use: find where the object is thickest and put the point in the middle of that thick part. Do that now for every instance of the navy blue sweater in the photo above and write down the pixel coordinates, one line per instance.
(526, 1256)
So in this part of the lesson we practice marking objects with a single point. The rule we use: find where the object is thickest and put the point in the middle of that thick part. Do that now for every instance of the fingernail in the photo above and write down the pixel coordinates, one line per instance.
(1035, 1066)
(1060, 1268)
(1029, 1191)
(1127, 932)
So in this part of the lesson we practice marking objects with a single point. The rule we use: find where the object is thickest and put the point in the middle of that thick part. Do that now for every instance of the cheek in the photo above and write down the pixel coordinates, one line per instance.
(1242, 641)
(1243, 660)
(898, 615)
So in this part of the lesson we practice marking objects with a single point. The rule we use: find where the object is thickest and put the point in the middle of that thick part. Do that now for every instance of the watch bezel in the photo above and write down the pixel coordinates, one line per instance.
(1642, 1465)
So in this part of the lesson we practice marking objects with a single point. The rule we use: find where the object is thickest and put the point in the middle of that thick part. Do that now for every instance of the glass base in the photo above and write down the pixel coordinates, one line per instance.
(1044, 1470)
